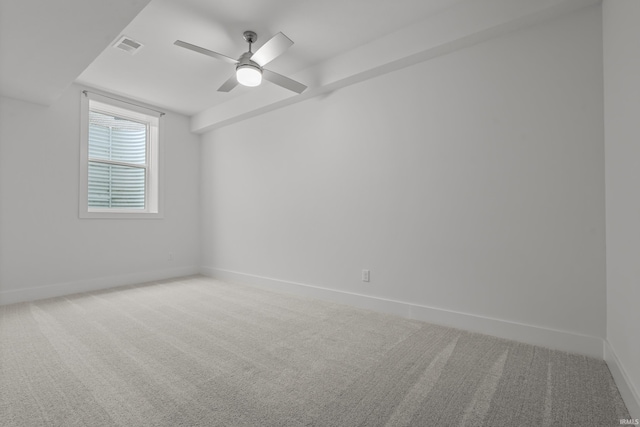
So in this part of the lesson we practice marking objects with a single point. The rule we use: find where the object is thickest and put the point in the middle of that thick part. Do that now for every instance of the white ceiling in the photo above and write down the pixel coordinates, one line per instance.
(46, 45)
(184, 81)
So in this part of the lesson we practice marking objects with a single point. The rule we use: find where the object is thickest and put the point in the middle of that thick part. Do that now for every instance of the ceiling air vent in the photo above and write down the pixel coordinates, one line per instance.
(128, 45)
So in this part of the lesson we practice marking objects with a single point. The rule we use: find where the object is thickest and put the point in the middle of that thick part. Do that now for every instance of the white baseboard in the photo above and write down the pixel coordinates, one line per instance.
(60, 289)
(550, 338)
(628, 392)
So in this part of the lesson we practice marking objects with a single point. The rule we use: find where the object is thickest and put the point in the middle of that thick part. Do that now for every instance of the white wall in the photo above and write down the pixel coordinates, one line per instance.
(622, 145)
(473, 183)
(45, 249)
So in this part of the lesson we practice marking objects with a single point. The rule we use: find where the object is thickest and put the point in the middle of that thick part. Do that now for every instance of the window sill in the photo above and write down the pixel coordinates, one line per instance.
(120, 215)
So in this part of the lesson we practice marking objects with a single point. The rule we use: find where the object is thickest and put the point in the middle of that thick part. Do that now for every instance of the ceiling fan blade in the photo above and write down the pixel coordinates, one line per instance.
(273, 48)
(229, 84)
(205, 51)
(283, 81)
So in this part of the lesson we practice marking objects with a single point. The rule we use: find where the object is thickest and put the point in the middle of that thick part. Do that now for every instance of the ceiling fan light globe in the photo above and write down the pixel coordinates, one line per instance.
(248, 75)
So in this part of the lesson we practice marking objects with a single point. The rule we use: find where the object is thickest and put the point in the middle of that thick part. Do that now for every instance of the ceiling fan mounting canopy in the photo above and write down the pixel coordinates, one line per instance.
(250, 36)
(250, 66)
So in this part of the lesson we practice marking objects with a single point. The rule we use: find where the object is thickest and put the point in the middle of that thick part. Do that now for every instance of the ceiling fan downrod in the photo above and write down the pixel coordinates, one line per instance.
(251, 37)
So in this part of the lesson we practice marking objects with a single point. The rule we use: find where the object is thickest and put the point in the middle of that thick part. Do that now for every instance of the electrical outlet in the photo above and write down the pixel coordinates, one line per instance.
(365, 275)
(170, 257)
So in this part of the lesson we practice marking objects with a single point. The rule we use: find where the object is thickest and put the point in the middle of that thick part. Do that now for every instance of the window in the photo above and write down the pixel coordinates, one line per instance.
(119, 159)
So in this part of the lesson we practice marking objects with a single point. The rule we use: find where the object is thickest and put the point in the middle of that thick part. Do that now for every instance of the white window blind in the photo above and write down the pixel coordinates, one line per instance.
(117, 162)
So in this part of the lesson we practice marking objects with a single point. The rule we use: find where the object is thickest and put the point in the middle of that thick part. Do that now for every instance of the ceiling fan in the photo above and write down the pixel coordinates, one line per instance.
(249, 67)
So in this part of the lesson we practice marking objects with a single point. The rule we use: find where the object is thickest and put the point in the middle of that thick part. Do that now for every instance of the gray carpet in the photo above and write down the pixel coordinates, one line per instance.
(198, 352)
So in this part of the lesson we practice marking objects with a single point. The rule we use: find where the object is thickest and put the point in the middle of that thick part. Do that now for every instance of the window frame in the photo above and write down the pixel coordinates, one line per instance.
(153, 171)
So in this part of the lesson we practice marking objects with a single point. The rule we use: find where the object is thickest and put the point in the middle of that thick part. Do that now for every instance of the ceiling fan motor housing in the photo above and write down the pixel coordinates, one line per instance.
(245, 60)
